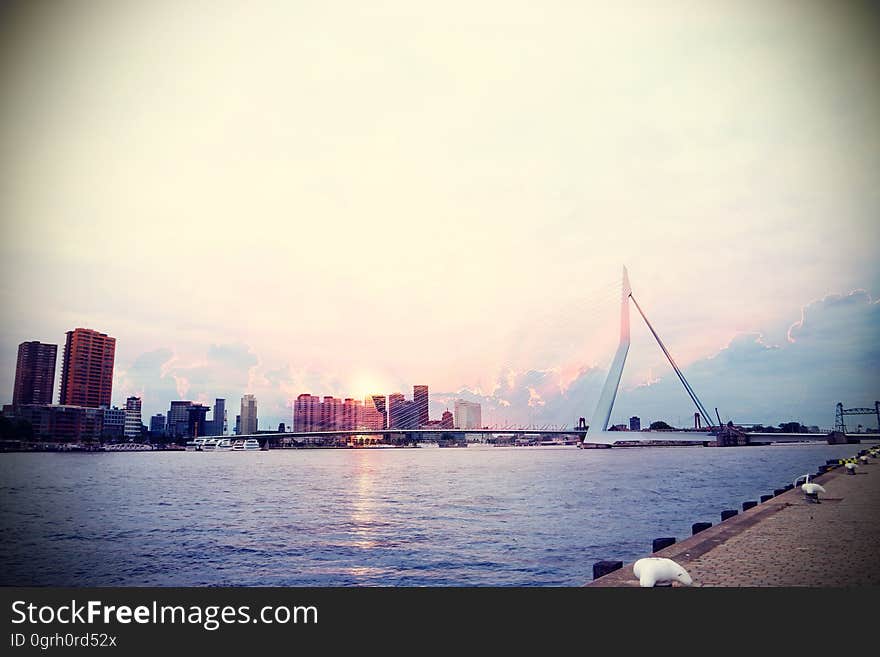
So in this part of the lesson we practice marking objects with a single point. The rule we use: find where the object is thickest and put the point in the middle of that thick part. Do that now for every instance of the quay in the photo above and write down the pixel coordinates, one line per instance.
(786, 541)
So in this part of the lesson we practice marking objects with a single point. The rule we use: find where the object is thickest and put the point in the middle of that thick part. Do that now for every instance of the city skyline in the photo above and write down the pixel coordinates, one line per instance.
(454, 205)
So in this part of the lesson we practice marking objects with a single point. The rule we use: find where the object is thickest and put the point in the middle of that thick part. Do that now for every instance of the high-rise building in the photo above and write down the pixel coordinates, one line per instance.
(133, 417)
(420, 397)
(379, 403)
(238, 425)
(248, 415)
(635, 423)
(395, 409)
(447, 422)
(157, 425)
(34, 373)
(196, 425)
(178, 419)
(87, 368)
(218, 423)
(371, 418)
(468, 415)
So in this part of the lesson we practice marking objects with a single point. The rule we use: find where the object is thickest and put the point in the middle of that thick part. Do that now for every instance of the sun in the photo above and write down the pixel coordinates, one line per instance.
(365, 383)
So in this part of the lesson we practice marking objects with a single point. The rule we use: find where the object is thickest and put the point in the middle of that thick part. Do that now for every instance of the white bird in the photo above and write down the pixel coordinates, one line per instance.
(810, 489)
(652, 570)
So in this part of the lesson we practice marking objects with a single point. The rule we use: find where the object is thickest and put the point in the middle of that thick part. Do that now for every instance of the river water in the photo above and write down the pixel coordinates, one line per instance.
(481, 516)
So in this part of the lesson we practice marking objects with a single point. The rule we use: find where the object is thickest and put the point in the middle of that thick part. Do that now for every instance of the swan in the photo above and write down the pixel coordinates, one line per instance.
(810, 489)
(652, 570)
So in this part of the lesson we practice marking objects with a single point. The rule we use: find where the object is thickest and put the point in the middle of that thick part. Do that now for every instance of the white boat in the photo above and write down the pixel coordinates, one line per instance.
(223, 445)
(196, 445)
(249, 445)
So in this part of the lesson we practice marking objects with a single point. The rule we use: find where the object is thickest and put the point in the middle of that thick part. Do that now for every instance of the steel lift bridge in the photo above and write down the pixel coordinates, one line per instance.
(839, 424)
(598, 431)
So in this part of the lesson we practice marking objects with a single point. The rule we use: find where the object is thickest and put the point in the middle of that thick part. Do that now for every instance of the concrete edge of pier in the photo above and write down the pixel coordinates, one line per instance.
(786, 540)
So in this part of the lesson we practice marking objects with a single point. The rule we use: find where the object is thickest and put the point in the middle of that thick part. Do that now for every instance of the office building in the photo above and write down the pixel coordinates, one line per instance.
(420, 397)
(447, 421)
(178, 419)
(248, 415)
(157, 425)
(218, 423)
(112, 422)
(87, 369)
(196, 425)
(34, 373)
(468, 415)
(133, 417)
(379, 403)
(62, 423)
(635, 423)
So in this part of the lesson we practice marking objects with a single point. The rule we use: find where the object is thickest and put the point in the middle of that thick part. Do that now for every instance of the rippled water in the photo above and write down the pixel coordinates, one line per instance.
(411, 517)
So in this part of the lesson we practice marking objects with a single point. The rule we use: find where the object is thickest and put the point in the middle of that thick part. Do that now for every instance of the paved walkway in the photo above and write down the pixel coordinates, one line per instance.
(788, 541)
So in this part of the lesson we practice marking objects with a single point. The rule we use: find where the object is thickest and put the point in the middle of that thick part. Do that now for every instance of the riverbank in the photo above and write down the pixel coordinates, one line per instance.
(787, 540)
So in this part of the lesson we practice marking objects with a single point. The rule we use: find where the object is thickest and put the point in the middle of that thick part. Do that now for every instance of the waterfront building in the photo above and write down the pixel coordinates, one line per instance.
(238, 425)
(370, 418)
(635, 423)
(87, 368)
(112, 422)
(420, 397)
(447, 421)
(178, 419)
(310, 414)
(402, 413)
(307, 411)
(61, 422)
(379, 403)
(133, 417)
(248, 415)
(329, 414)
(218, 422)
(395, 408)
(196, 425)
(468, 415)
(157, 425)
(34, 373)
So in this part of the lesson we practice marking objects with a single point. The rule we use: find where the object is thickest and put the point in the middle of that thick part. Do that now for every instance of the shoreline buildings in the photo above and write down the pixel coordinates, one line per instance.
(34, 373)
(311, 413)
(87, 369)
(468, 415)
(248, 420)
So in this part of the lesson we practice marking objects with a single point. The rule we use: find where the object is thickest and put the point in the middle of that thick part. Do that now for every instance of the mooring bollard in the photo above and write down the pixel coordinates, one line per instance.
(728, 513)
(749, 504)
(660, 543)
(698, 527)
(764, 498)
(778, 491)
(602, 568)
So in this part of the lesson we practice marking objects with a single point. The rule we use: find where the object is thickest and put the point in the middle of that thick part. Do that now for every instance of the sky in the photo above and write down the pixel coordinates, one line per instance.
(344, 198)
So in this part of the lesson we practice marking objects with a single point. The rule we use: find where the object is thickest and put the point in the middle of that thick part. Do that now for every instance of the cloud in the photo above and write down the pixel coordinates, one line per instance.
(831, 355)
